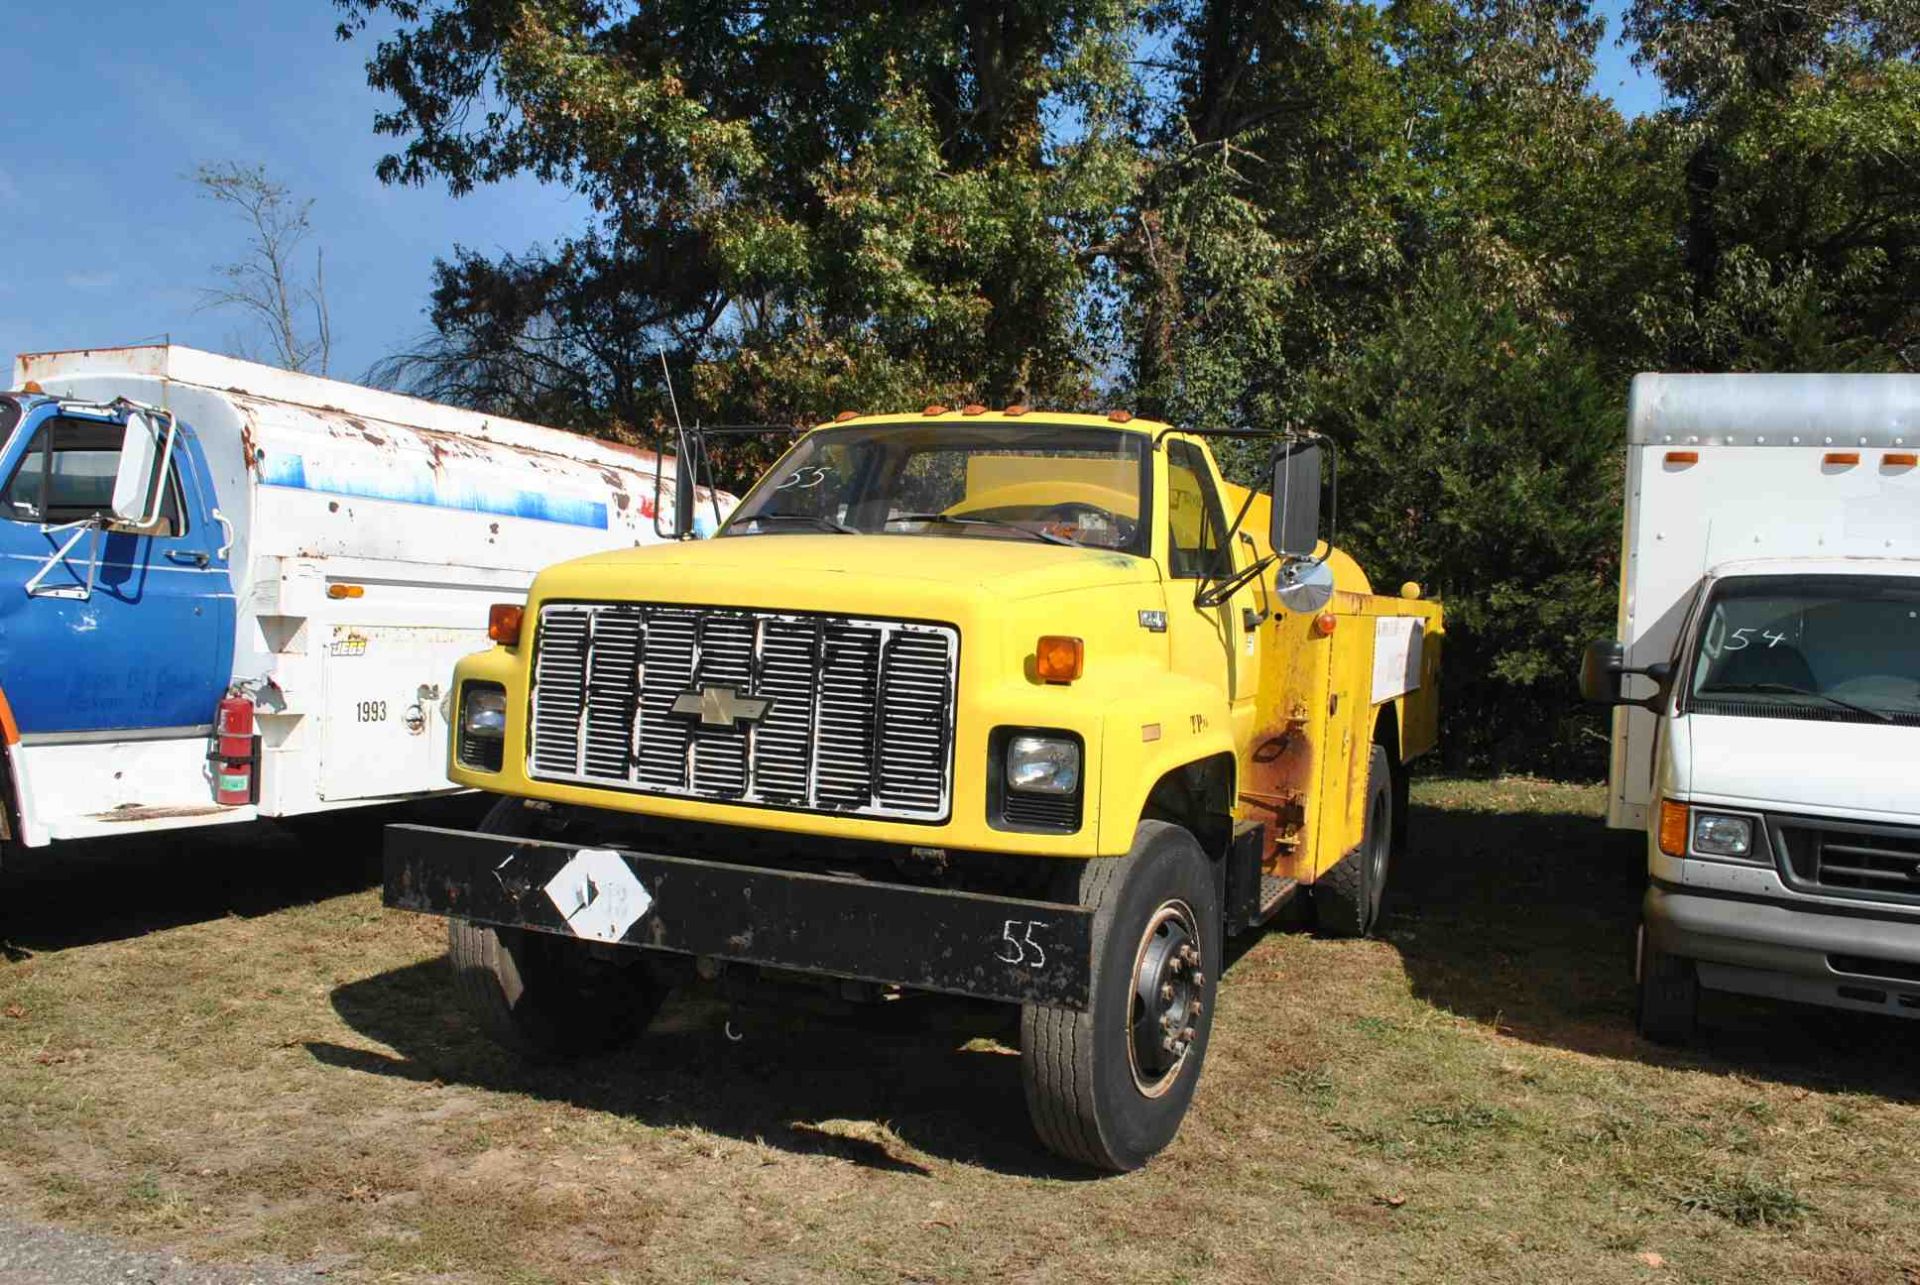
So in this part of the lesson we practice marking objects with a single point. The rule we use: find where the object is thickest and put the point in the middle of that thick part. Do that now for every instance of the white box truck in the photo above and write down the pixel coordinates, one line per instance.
(186, 537)
(1766, 680)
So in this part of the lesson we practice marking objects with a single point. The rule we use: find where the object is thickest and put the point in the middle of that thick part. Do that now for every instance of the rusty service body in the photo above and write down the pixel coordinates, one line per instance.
(1029, 707)
(193, 539)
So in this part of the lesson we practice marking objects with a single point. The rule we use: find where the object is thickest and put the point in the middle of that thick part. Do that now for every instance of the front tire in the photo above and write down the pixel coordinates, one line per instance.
(1108, 1087)
(1669, 999)
(544, 996)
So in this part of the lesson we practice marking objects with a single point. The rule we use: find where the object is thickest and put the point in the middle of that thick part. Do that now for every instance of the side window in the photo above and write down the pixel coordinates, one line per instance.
(1194, 521)
(67, 474)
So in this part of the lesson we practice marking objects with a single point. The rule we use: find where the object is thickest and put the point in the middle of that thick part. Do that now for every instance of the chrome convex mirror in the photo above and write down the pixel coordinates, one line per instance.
(1304, 587)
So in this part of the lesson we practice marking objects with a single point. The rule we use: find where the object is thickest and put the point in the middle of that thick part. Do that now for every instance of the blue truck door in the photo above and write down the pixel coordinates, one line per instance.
(152, 645)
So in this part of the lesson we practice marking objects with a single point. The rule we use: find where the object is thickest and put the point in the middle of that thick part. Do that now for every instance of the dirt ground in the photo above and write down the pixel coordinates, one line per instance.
(222, 1047)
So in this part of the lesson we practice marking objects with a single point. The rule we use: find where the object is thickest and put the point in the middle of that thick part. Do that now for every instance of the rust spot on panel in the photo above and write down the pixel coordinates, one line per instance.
(1280, 772)
(248, 450)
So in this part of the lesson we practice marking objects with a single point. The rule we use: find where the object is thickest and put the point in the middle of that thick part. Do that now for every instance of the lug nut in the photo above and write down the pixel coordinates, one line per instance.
(1199, 979)
(1196, 1008)
(1186, 1036)
(1166, 991)
(1175, 964)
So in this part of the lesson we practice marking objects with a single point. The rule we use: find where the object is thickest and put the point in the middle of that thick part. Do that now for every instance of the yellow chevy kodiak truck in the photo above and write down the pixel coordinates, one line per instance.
(1014, 705)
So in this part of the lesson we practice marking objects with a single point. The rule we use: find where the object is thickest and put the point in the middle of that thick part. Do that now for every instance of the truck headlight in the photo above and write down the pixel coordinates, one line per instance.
(483, 725)
(1043, 765)
(1716, 834)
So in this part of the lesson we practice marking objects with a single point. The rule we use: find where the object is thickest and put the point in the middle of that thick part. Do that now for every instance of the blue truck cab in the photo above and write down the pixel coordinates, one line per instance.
(108, 623)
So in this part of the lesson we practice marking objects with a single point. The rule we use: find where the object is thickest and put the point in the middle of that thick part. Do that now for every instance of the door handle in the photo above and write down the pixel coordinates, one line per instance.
(187, 557)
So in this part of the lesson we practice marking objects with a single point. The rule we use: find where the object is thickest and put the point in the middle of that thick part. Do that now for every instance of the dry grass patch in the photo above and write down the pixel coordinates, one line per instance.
(1462, 1098)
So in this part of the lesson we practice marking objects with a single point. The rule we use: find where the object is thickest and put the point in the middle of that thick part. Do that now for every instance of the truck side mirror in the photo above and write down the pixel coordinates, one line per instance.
(1602, 669)
(1603, 673)
(142, 455)
(1296, 499)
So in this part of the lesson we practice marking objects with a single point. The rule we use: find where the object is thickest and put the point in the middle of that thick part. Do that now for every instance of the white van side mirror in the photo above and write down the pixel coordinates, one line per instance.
(143, 455)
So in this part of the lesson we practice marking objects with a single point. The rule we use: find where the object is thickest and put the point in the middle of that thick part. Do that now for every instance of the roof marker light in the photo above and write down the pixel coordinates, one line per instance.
(846, 415)
(1899, 459)
(1120, 416)
(1842, 459)
(1683, 457)
(973, 408)
(935, 409)
(1015, 410)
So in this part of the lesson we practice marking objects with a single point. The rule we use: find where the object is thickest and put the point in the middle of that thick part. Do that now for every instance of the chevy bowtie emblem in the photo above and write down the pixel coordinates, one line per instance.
(721, 706)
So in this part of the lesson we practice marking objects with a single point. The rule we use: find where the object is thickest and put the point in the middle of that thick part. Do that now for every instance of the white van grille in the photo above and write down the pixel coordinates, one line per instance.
(858, 713)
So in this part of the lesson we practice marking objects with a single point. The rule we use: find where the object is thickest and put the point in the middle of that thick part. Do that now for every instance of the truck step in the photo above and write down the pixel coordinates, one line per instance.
(1275, 892)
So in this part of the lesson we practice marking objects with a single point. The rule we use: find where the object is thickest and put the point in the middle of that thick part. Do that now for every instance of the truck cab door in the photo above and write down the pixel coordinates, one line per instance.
(1217, 645)
(150, 644)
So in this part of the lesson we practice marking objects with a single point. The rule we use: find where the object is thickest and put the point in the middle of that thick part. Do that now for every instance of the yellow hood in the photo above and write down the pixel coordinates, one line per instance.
(882, 573)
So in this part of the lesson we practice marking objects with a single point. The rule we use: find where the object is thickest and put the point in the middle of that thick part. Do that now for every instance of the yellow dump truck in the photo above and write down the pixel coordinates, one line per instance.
(1022, 706)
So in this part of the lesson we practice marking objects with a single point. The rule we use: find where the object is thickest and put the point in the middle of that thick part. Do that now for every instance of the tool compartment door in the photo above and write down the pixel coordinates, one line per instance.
(386, 702)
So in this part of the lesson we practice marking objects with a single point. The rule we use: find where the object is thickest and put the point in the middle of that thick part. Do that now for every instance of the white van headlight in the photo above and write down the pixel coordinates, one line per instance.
(1715, 834)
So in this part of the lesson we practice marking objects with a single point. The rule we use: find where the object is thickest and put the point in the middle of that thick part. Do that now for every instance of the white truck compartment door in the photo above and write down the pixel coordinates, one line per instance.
(386, 702)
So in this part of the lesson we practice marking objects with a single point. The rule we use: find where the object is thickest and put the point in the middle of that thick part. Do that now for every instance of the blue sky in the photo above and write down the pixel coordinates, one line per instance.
(113, 103)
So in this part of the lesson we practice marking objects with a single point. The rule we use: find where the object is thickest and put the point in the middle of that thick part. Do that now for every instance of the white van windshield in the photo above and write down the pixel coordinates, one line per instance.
(1841, 648)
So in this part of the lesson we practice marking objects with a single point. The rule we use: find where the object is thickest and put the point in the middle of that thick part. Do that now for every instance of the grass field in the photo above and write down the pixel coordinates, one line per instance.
(226, 1047)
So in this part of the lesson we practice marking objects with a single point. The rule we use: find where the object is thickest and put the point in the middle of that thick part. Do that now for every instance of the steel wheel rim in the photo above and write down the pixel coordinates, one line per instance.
(1165, 1005)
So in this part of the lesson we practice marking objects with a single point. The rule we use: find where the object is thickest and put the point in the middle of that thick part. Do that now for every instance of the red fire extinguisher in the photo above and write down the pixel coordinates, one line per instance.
(233, 759)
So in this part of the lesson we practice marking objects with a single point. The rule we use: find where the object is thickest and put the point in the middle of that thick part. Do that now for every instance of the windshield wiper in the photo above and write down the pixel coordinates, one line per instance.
(947, 519)
(1789, 689)
(818, 520)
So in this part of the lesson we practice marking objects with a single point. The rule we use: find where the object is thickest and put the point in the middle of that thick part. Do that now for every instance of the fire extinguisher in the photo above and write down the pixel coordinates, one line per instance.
(233, 756)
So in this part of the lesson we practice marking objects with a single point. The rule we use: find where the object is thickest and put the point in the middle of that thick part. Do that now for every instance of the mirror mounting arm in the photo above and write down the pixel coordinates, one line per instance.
(1210, 593)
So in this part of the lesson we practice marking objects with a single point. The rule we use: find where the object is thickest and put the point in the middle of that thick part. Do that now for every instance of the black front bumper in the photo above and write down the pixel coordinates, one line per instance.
(1003, 948)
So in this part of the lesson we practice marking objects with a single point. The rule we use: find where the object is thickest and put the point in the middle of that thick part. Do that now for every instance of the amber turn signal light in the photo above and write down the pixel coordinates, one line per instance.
(1324, 622)
(1673, 828)
(503, 623)
(346, 591)
(1058, 659)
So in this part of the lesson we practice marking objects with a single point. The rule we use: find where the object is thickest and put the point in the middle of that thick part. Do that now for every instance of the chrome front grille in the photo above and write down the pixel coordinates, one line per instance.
(859, 716)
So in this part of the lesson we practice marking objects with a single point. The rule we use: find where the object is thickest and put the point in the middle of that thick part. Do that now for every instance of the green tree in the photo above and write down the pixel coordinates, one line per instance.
(1486, 454)
(1795, 130)
(806, 205)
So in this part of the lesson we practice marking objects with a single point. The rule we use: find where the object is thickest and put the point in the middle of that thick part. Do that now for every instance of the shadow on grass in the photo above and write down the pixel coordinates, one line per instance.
(805, 1075)
(1526, 921)
(87, 891)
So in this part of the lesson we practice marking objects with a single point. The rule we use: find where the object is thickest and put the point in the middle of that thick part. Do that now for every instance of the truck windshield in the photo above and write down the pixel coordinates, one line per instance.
(1053, 483)
(1843, 648)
